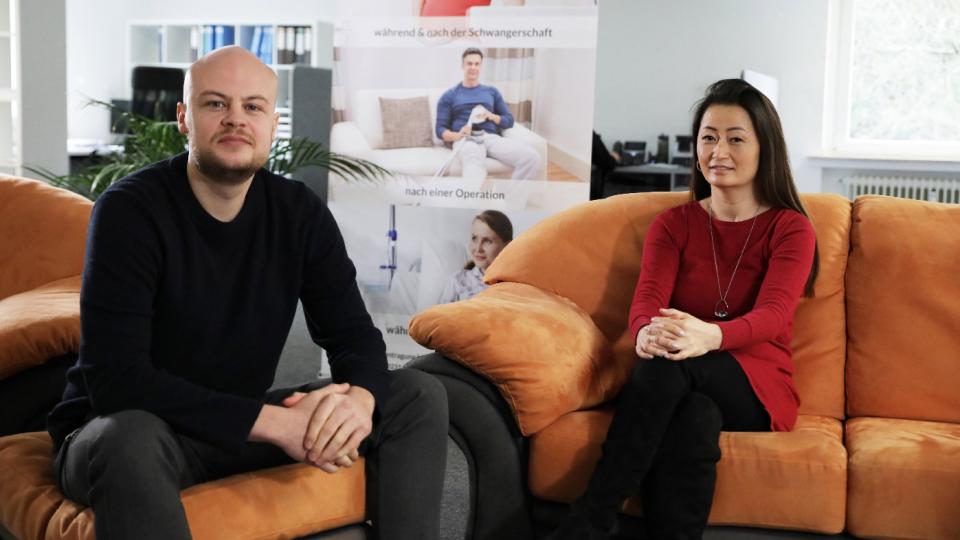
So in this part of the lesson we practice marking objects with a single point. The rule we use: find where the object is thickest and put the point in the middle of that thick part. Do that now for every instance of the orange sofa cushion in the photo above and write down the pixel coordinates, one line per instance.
(283, 502)
(787, 480)
(903, 353)
(542, 351)
(904, 478)
(589, 254)
(819, 325)
(43, 233)
(39, 324)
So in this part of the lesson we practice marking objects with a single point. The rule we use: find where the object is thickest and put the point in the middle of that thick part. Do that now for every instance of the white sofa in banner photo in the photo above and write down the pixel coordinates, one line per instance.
(362, 136)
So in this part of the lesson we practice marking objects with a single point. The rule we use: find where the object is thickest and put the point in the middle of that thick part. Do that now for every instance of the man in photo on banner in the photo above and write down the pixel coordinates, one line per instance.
(472, 116)
(192, 275)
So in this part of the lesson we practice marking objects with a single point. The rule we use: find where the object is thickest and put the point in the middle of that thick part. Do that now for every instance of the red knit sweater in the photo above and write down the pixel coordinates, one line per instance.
(677, 272)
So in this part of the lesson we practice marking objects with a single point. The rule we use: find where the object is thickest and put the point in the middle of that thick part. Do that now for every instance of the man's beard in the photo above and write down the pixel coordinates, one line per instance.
(222, 173)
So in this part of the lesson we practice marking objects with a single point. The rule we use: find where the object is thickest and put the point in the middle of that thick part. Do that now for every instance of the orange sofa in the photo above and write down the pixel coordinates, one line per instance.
(876, 449)
(42, 239)
(42, 233)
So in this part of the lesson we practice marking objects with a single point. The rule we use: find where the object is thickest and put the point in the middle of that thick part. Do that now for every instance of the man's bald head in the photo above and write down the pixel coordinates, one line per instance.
(234, 60)
(228, 114)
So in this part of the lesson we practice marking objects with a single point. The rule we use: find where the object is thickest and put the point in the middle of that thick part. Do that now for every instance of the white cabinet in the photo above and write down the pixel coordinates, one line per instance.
(33, 119)
(9, 92)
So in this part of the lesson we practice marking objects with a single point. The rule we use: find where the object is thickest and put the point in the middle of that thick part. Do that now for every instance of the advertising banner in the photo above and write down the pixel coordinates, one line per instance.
(482, 112)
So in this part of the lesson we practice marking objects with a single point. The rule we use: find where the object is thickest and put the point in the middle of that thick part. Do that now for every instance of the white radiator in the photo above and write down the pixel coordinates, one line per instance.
(944, 190)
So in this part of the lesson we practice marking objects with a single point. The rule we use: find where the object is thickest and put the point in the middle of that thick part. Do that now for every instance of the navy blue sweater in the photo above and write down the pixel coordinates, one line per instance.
(185, 316)
(456, 104)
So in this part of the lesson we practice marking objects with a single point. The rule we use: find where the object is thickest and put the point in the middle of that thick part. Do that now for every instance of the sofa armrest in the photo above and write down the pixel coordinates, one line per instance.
(483, 427)
(39, 324)
(346, 138)
(538, 143)
(542, 351)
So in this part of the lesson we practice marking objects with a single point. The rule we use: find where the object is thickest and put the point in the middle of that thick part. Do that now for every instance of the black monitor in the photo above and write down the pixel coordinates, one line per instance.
(156, 92)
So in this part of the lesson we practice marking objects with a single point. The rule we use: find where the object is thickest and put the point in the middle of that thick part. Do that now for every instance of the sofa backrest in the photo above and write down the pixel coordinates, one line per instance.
(903, 310)
(591, 254)
(364, 110)
(43, 233)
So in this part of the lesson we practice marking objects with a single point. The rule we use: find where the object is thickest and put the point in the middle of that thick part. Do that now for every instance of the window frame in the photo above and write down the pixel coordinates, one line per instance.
(837, 102)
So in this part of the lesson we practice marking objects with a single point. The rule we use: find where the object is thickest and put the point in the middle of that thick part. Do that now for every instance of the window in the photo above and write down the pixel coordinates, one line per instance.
(894, 85)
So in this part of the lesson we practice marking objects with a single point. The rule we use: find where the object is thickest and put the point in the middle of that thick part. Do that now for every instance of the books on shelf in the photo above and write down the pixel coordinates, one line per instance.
(195, 32)
(273, 45)
(291, 44)
(223, 36)
(215, 36)
(294, 44)
(207, 39)
(261, 43)
(303, 46)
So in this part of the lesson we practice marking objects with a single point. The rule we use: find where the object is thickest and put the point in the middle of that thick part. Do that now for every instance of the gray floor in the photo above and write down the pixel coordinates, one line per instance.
(456, 496)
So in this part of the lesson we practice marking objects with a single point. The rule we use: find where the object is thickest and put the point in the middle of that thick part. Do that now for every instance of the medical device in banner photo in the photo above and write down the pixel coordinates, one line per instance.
(409, 258)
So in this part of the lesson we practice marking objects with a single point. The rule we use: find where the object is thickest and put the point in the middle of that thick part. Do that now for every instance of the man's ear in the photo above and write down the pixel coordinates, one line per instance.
(276, 123)
(182, 118)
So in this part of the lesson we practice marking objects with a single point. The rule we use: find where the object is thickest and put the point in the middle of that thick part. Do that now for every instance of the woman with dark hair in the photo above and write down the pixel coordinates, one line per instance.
(490, 233)
(712, 314)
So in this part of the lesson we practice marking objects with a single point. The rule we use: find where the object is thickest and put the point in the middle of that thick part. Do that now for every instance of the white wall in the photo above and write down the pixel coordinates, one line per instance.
(656, 58)
(564, 100)
(97, 43)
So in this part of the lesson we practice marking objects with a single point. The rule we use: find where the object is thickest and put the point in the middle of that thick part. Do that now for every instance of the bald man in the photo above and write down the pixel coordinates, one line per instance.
(193, 271)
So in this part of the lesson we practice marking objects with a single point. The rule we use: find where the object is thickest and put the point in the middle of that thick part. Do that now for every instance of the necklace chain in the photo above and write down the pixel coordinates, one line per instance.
(721, 309)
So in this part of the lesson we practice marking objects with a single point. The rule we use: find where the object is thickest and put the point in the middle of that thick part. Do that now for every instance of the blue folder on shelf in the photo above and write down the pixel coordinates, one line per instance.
(223, 36)
(207, 38)
(265, 50)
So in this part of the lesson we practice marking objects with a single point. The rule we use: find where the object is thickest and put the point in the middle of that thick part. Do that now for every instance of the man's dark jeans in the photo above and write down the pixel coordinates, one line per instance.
(131, 466)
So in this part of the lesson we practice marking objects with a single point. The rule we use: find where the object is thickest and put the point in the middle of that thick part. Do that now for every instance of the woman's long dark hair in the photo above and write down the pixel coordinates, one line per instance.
(773, 184)
(498, 223)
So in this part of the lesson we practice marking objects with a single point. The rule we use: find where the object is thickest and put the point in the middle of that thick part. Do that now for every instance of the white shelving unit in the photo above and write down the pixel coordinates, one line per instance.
(10, 135)
(178, 43)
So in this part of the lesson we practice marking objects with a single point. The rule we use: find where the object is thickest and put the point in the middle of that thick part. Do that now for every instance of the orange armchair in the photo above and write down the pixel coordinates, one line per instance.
(42, 241)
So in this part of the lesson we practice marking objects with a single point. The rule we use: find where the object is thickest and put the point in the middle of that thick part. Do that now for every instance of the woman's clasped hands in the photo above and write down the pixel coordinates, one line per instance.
(676, 335)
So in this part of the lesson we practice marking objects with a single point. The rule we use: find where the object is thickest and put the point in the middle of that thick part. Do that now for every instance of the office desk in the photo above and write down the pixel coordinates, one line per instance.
(673, 171)
(86, 152)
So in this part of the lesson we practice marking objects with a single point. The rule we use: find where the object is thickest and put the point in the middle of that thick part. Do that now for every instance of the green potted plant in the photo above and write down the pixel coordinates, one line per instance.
(151, 140)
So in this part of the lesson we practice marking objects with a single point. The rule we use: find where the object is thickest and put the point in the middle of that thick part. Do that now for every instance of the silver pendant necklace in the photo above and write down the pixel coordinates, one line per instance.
(722, 309)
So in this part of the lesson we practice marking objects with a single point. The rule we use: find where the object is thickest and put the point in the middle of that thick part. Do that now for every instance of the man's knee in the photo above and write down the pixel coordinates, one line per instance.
(471, 151)
(130, 458)
(131, 440)
(422, 395)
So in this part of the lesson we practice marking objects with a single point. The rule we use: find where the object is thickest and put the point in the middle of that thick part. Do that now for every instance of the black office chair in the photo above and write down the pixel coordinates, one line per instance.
(156, 91)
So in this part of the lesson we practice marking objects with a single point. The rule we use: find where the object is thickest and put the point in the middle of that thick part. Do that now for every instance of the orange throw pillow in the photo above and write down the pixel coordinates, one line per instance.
(542, 351)
(39, 324)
